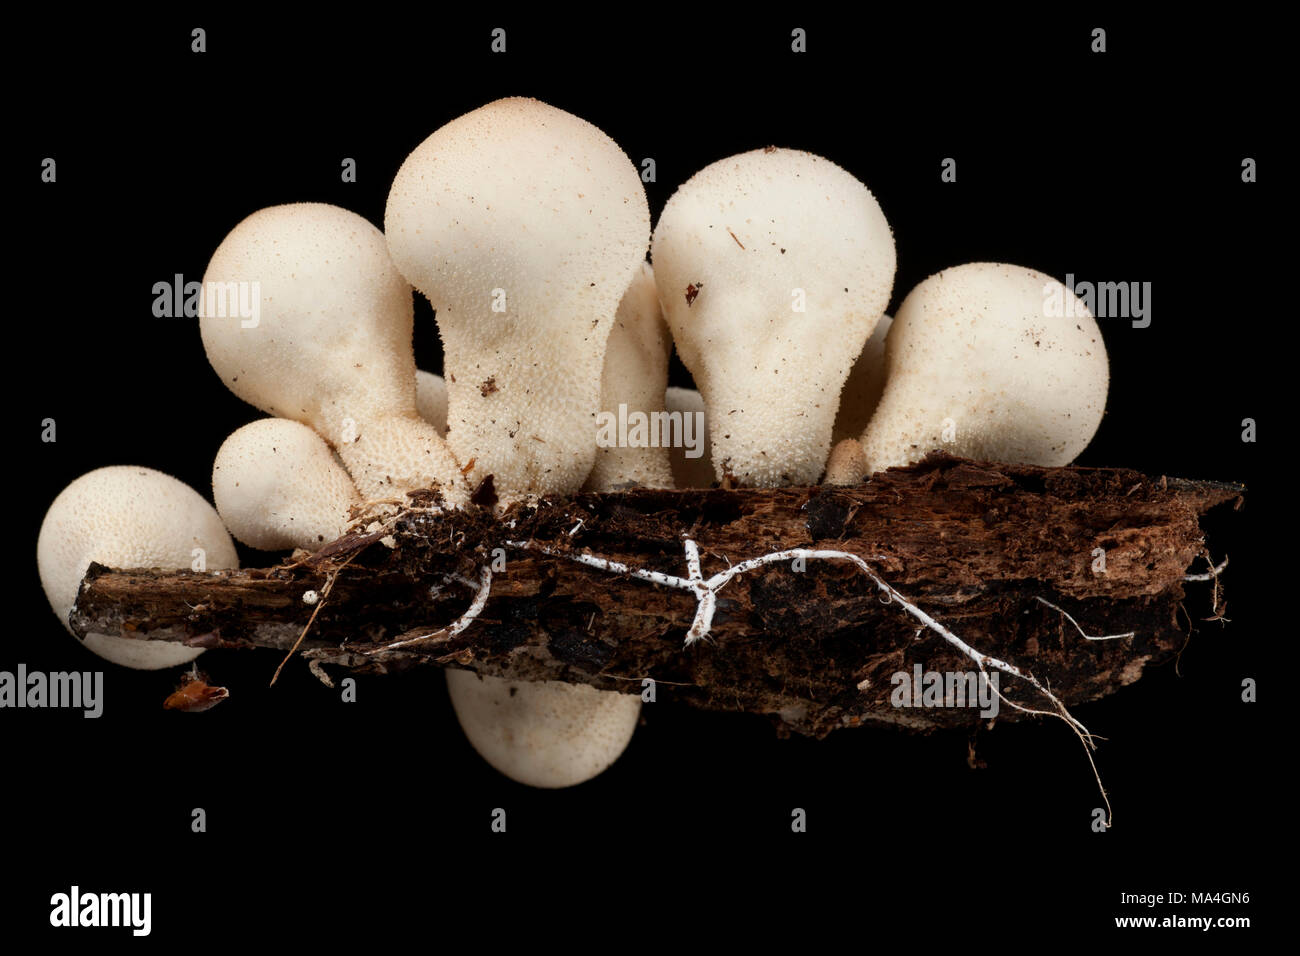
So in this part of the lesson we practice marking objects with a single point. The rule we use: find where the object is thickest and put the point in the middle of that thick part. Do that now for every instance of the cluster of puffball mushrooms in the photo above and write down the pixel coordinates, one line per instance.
(527, 229)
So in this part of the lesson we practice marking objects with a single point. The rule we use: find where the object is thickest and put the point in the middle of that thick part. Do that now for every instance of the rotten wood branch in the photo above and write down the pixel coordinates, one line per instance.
(1007, 557)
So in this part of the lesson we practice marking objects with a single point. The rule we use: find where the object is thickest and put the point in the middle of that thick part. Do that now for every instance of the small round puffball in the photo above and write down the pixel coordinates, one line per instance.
(127, 517)
(278, 485)
(986, 360)
(543, 734)
(431, 400)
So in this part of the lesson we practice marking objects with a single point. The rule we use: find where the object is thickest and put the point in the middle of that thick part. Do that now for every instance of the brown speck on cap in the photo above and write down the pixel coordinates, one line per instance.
(485, 495)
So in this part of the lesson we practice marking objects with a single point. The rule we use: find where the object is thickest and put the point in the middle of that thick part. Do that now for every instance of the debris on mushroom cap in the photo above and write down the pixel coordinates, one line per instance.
(690, 472)
(277, 486)
(523, 225)
(792, 262)
(976, 364)
(330, 343)
(431, 400)
(865, 385)
(847, 465)
(127, 517)
(543, 734)
(635, 376)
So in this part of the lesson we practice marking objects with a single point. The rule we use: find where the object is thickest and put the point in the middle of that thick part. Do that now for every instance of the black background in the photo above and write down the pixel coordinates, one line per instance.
(325, 818)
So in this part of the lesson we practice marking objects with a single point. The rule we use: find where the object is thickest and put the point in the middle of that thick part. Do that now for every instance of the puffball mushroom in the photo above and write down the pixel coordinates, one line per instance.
(331, 347)
(690, 472)
(523, 225)
(278, 486)
(863, 388)
(127, 517)
(635, 377)
(976, 365)
(431, 400)
(773, 268)
(545, 733)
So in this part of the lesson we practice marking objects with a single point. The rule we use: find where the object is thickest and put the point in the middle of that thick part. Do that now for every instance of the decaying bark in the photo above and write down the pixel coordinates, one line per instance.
(975, 544)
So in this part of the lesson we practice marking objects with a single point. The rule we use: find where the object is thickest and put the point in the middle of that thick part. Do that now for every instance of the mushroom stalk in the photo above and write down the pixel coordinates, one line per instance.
(632, 431)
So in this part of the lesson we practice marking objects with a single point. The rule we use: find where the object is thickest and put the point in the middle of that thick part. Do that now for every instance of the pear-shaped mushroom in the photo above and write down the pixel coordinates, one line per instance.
(523, 225)
(331, 344)
(773, 268)
(979, 363)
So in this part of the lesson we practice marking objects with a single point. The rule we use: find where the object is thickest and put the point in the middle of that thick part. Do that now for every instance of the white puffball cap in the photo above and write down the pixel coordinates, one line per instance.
(544, 733)
(774, 267)
(127, 517)
(525, 197)
(277, 485)
(983, 361)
